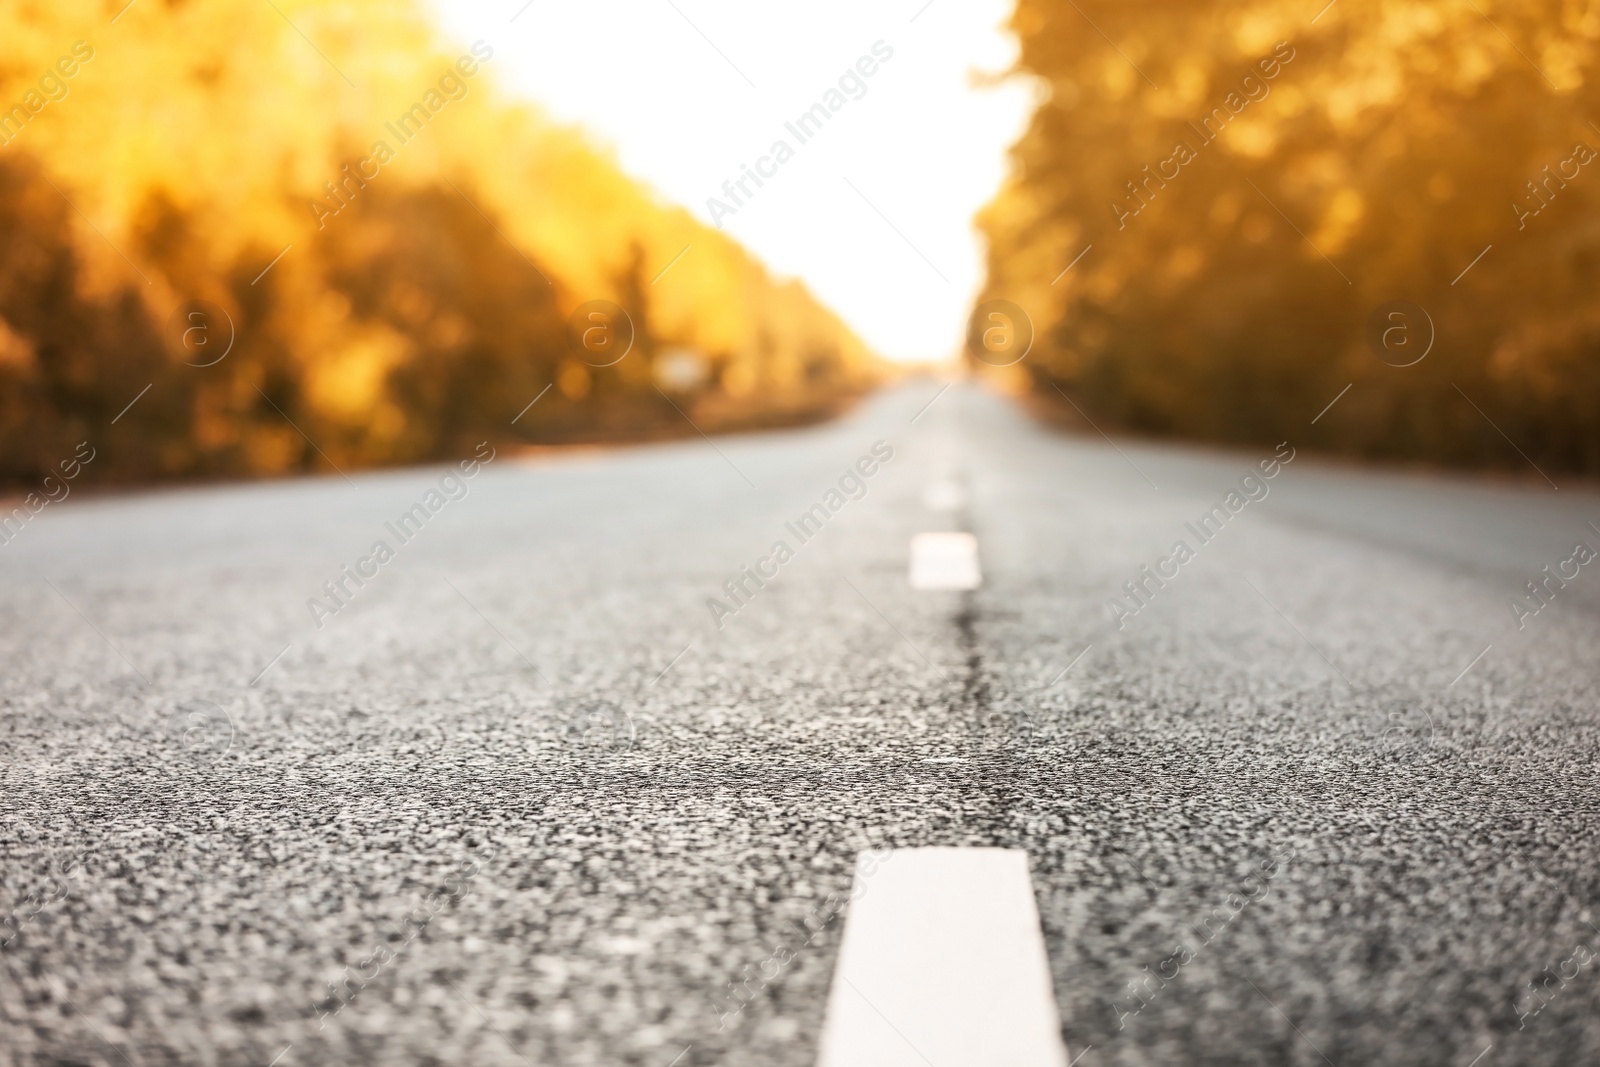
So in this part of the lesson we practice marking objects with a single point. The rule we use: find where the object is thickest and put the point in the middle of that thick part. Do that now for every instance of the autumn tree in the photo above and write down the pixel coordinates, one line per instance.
(393, 246)
(1252, 186)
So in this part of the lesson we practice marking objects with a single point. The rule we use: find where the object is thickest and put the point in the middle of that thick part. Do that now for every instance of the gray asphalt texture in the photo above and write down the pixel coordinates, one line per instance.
(521, 801)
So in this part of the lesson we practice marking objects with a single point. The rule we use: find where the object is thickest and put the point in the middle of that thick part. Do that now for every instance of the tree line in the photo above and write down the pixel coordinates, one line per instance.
(1272, 203)
(209, 267)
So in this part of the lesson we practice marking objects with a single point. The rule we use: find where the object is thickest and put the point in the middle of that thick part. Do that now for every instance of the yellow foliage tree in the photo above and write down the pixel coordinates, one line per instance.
(395, 248)
(1258, 184)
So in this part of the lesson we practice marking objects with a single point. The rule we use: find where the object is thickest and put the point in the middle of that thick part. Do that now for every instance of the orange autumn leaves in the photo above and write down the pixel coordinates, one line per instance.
(1401, 154)
(386, 306)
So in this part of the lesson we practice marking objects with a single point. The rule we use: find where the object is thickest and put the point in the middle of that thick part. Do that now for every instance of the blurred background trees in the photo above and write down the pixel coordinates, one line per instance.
(1384, 157)
(186, 155)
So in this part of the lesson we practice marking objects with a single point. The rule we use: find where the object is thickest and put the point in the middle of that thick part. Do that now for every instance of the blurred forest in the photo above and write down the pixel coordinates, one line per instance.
(1229, 290)
(168, 152)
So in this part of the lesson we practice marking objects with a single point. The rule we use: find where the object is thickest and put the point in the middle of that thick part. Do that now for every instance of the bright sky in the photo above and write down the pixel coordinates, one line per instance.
(874, 213)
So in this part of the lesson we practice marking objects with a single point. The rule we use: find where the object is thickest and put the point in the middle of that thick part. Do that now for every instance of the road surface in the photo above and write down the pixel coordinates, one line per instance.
(527, 795)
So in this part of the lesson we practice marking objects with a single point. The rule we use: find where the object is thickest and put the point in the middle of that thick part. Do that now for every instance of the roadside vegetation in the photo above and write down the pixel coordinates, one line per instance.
(1258, 185)
(395, 257)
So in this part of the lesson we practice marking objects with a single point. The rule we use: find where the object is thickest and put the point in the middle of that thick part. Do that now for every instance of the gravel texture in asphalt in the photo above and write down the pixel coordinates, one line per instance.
(526, 795)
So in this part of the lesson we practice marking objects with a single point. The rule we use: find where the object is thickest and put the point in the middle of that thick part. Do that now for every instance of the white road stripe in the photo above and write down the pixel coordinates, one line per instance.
(944, 561)
(942, 965)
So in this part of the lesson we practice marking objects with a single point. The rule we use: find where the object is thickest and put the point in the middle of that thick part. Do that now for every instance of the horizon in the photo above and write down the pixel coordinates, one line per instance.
(860, 184)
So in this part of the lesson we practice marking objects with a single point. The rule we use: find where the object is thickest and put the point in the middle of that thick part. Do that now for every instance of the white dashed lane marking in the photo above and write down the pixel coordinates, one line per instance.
(942, 963)
(944, 561)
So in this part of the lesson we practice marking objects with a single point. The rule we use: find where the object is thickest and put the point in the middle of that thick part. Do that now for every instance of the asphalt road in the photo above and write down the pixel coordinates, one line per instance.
(521, 800)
